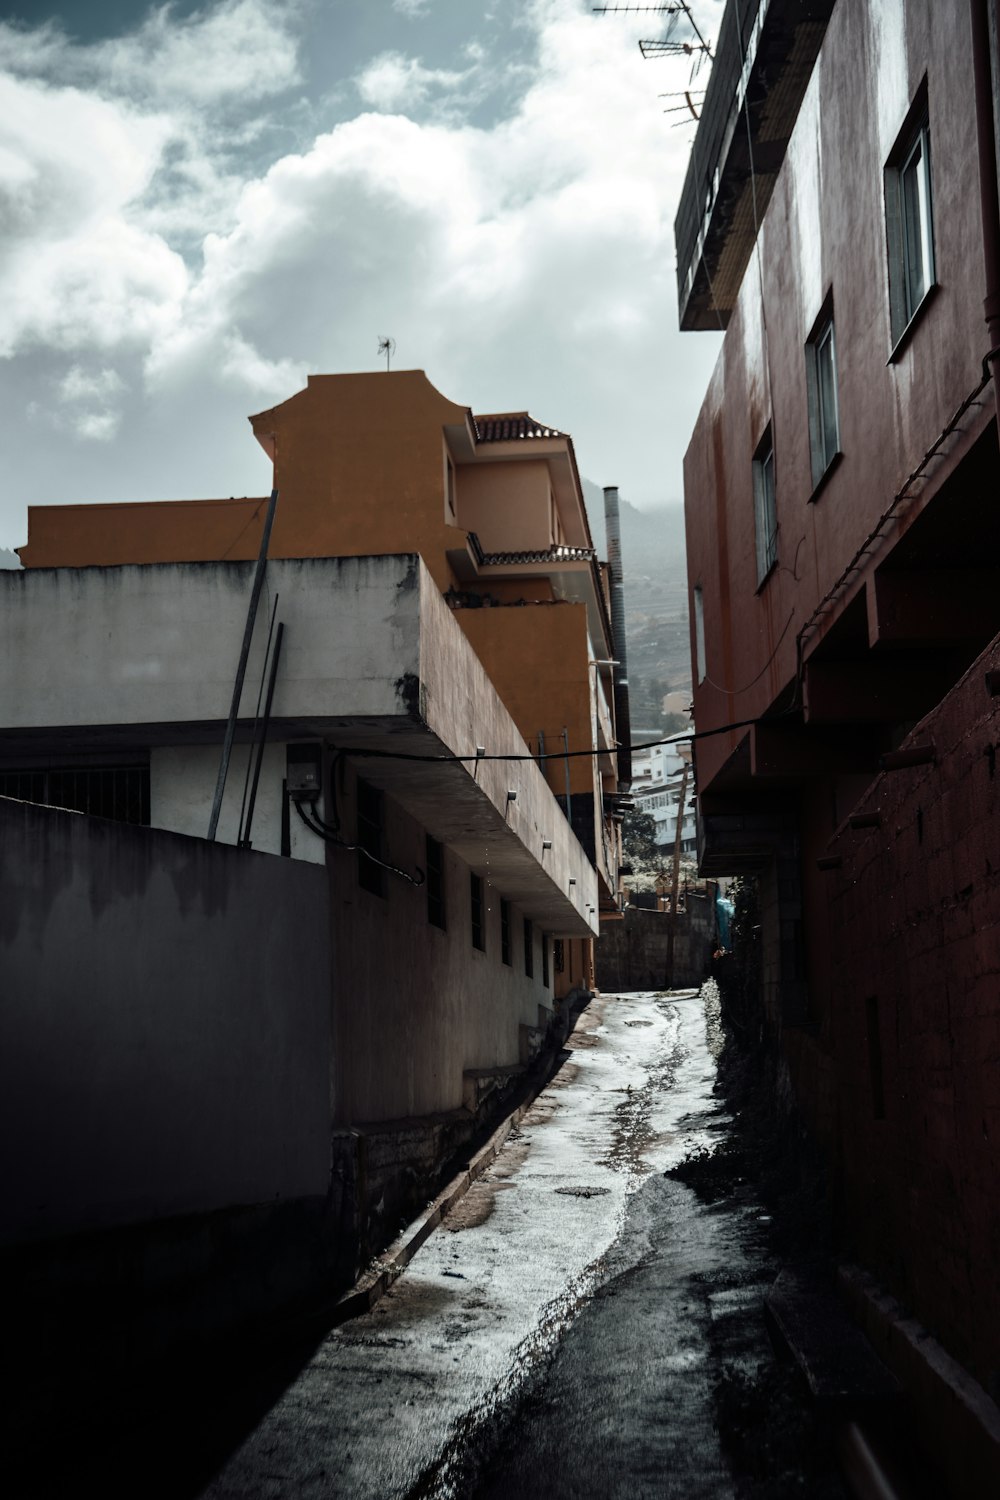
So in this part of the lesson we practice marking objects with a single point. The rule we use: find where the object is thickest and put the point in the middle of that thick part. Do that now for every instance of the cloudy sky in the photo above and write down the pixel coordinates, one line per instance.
(203, 203)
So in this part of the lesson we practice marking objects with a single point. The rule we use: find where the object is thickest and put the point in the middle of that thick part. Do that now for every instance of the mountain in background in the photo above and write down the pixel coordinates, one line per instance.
(654, 564)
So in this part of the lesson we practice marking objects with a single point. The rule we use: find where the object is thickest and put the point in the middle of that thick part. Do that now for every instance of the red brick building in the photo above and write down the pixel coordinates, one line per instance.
(839, 222)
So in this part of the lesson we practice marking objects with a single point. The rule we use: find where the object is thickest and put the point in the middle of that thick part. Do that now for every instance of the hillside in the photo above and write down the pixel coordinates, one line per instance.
(656, 613)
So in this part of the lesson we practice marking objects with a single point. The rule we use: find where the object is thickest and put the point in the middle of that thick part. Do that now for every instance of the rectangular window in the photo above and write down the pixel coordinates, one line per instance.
(529, 949)
(478, 913)
(435, 884)
(765, 508)
(545, 959)
(505, 931)
(821, 381)
(909, 219)
(699, 633)
(371, 876)
(118, 792)
(559, 956)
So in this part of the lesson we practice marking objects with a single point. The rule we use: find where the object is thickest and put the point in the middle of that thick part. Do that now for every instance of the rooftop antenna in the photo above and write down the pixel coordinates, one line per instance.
(386, 346)
(693, 46)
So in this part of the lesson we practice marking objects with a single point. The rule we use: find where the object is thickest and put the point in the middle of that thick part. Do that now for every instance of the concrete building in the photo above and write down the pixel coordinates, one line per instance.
(439, 619)
(839, 222)
(657, 784)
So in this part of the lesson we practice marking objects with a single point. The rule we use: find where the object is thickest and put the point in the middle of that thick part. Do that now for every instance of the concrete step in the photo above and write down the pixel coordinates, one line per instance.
(479, 1083)
(839, 1364)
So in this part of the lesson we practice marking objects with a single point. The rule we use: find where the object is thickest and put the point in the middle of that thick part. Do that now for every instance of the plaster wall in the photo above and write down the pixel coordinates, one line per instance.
(508, 505)
(166, 1025)
(824, 232)
(417, 1005)
(160, 645)
(182, 782)
(360, 467)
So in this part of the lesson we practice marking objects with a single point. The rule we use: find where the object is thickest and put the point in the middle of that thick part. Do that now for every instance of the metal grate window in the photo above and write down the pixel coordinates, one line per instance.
(529, 948)
(505, 931)
(545, 959)
(476, 903)
(117, 792)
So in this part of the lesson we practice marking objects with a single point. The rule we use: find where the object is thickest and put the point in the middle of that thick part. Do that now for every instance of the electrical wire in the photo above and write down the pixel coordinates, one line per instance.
(327, 835)
(670, 739)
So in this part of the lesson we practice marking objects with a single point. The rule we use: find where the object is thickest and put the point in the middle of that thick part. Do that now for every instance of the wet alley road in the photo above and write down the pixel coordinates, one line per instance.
(565, 1332)
(561, 1332)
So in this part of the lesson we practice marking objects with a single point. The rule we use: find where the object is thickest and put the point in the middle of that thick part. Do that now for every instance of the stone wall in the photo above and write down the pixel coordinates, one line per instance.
(915, 935)
(632, 954)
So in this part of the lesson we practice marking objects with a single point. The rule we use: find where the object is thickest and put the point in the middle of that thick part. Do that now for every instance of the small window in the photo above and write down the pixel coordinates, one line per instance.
(371, 875)
(821, 381)
(435, 884)
(505, 931)
(699, 632)
(478, 922)
(529, 949)
(909, 220)
(765, 508)
(450, 488)
(545, 959)
(559, 955)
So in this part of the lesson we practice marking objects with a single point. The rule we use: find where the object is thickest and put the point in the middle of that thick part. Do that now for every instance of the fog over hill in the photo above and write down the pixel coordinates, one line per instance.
(656, 610)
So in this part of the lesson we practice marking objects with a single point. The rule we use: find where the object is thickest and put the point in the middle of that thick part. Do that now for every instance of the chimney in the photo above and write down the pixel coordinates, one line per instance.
(623, 729)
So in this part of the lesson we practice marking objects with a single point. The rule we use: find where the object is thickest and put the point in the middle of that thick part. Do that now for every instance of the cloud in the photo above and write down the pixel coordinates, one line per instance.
(395, 82)
(411, 8)
(523, 262)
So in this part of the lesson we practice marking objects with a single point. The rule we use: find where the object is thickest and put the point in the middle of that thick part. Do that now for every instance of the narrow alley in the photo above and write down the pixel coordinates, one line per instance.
(568, 1329)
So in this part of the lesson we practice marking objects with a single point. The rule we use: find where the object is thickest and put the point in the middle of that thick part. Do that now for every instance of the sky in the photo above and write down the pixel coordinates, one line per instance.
(201, 204)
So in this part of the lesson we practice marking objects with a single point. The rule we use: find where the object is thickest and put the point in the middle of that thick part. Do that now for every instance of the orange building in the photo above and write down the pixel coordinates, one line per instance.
(382, 463)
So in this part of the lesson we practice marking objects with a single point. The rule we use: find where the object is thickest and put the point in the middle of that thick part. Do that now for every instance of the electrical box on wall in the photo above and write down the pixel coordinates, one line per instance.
(304, 775)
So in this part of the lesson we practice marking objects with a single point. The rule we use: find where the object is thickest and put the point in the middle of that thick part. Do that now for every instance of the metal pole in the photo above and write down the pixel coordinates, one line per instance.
(234, 707)
(245, 841)
(675, 881)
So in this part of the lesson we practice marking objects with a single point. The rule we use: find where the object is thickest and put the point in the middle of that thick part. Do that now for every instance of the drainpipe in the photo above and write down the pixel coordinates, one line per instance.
(623, 731)
(988, 193)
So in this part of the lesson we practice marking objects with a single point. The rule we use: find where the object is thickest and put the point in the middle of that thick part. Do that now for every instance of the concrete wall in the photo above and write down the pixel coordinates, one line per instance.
(632, 954)
(166, 1025)
(915, 926)
(420, 1005)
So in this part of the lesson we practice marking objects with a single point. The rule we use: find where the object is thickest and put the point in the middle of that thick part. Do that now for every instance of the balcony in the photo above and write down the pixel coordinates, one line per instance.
(759, 75)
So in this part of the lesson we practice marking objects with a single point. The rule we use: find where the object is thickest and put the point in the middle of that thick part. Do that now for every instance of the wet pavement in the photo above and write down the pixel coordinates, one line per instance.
(575, 1327)
(562, 1332)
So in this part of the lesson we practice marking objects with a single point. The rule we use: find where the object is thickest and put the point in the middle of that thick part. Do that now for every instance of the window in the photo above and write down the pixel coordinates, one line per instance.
(529, 949)
(118, 792)
(559, 956)
(821, 381)
(699, 632)
(478, 923)
(909, 220)
(765, 509)
(505, 931)
(545, 959)
(371, 876)
(435, 884)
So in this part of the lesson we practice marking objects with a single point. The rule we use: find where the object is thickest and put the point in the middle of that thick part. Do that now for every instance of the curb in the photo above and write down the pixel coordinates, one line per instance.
(386, 1268)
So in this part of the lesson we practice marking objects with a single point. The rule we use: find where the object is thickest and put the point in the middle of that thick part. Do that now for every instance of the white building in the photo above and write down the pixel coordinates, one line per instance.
(657, 782)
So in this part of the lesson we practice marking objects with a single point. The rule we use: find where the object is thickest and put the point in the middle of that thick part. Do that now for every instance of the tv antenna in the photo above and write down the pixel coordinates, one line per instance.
(386, 346)
(670, 44)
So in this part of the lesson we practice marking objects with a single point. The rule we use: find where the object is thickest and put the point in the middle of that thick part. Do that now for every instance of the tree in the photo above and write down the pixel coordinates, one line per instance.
(639, 837)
